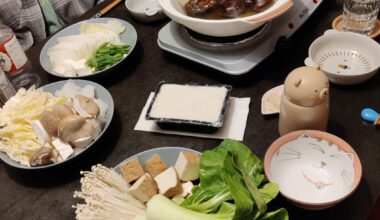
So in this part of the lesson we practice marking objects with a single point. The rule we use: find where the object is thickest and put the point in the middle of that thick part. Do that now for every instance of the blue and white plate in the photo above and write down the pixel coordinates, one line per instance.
(129, 37)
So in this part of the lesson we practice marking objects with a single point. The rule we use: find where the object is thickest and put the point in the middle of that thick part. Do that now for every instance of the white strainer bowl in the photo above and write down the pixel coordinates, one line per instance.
(346, 58)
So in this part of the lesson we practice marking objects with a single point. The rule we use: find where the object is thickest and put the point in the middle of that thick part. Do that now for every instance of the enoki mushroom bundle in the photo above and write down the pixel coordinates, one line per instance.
(106, 196)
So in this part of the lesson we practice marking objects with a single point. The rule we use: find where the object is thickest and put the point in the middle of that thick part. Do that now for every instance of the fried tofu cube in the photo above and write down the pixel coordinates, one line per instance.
(155, 165)
(144, 188)
(132, 170)
(168, 183)
(187, 166)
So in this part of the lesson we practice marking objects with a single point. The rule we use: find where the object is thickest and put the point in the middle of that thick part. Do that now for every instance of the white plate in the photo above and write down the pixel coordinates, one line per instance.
(129, 37)
(101, 93)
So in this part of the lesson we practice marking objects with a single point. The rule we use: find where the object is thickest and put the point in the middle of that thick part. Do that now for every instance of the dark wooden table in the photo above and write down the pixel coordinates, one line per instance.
(49, 194)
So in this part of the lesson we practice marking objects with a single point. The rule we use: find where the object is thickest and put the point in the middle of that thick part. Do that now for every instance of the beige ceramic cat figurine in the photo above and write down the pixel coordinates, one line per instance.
(305, 101)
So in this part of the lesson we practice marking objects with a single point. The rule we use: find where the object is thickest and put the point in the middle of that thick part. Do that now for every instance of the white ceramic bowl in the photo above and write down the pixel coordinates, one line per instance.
(145, 10)
(314, 169)
(346, 58)
(225, 27)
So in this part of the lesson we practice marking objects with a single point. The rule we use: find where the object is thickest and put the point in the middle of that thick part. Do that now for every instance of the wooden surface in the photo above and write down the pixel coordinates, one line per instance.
(49, 194)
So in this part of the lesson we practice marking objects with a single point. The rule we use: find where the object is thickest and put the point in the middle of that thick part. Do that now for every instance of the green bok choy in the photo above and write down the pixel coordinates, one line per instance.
(232, 173)
(232, 186)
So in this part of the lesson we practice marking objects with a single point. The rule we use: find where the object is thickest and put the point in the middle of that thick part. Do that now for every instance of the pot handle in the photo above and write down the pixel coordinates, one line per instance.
(309, 62)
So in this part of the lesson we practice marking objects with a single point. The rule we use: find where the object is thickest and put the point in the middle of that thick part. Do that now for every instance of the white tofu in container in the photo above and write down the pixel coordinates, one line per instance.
(189, 107)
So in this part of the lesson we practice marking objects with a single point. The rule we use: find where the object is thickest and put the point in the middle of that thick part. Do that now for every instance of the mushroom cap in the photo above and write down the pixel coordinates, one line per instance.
(41, 157)
(74, 127)
(88, 105)
(68, 126)
(61, 111)
(50, 123)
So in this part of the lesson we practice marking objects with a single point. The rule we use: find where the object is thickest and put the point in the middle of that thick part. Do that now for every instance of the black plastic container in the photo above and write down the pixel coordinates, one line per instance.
(189, 125)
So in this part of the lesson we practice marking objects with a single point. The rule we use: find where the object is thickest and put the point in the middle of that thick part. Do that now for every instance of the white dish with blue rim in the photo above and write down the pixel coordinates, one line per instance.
(101, 93)
(128, 37)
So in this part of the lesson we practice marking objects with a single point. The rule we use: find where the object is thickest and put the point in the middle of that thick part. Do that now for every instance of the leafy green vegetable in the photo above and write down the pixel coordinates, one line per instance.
(232, 174)
(269, 191)
(106, 56)
(280, 214)
(162, 208)
(249, 165)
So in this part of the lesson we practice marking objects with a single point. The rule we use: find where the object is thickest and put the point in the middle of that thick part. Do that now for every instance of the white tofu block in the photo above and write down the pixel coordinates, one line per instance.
(168, 183)
(144, 188)
(189, 102)
(186, 188)
(42, 135)
(64, 149)
(187, 166)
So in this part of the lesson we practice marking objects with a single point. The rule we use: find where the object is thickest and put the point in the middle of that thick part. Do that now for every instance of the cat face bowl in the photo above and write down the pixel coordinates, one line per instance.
(346, 58)
(314, 169)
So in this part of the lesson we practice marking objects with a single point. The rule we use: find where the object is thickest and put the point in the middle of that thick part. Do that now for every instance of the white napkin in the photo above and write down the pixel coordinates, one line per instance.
(233, 127)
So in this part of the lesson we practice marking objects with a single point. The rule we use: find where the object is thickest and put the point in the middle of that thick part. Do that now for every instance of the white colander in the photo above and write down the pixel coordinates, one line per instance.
(346, 58)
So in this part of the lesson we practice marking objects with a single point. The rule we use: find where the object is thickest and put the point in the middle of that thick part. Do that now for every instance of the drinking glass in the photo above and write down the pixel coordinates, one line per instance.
(360, 16)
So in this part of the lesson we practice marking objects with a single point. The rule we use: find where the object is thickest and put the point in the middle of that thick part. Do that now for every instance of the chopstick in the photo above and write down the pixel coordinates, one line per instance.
(107, 9)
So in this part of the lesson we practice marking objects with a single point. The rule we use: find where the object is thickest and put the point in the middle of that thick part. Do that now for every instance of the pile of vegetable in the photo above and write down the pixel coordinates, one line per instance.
(96, 47)
(106, 195)
(38, 128)
(18, 138)
(107, 55)
(232, 186)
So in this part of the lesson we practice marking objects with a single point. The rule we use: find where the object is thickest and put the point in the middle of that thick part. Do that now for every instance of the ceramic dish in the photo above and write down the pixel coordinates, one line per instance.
(145, 10)
(337, 24)
(271, 101)
(314, 169)
(199, 105)
(346, 58)
(101, 93)
(129, 37)
(168, 154)
(224, 27)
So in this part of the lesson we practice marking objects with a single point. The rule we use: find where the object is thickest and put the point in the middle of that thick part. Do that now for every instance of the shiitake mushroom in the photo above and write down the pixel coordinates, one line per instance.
(74, 127)
(50, 122)
(61, 111)
(88, 105)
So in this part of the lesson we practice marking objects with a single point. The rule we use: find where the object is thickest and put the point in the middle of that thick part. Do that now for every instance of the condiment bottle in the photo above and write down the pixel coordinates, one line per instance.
(14, 61)
(6, 88)
(305, 101)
